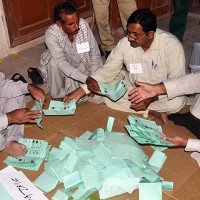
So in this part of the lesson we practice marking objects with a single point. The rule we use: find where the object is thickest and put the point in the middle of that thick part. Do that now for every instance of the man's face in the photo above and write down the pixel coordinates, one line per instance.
(71, 23)
(136, 36)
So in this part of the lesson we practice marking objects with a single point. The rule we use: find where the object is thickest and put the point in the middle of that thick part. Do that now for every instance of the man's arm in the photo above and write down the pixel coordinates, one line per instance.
(145, 91)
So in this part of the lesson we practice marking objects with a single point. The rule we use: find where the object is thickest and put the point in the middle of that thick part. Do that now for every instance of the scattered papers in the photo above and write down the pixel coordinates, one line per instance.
(59, 108)
(36, 153)
(16, 186)
(105, 161)
(146, 132)
(114, 92)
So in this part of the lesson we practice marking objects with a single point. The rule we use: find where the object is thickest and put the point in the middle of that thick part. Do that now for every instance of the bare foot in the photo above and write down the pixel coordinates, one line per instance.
(15, 149)
(160, 115)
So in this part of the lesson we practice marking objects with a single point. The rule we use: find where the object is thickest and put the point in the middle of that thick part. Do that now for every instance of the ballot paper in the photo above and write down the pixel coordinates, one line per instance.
(19, 187)
(146, 132)
(113, 92)
(59, 108)
(38, 106)
(36, 153)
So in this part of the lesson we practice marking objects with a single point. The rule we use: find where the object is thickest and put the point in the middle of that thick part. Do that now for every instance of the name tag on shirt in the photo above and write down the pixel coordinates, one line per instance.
(136, 68)
(83, 47)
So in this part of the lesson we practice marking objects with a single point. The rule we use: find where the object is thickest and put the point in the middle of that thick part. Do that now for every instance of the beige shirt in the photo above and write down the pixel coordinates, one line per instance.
(193, 145)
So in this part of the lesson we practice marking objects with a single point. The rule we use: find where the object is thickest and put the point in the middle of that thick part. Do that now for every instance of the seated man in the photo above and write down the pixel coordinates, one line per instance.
(72, 54)
(150, 55)
(13, 113)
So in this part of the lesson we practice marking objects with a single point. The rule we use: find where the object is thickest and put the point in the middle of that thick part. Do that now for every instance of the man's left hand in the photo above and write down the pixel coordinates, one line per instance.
(92, 85)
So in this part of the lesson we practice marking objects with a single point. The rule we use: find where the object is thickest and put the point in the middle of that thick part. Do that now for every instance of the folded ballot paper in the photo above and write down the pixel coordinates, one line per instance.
(59, 108)
(146, 132)
(113, 92)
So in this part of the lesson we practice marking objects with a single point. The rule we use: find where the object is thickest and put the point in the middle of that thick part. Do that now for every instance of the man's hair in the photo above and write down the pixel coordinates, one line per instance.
(145, 18)
(64, 7)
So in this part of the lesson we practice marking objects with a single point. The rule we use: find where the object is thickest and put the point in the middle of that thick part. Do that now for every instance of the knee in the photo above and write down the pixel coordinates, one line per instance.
(177, 104)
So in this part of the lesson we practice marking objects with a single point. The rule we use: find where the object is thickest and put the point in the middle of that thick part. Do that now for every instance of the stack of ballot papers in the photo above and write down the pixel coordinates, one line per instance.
(14, 185)
(146, 132)
(36, 153)
(113, 92)
(109, 162)
(59, 108)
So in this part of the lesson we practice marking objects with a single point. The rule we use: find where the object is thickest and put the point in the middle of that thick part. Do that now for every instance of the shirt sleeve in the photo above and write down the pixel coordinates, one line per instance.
(15, 88)
(113, 65)
(95, 55)
(3, 121)
(188, 84)
(193, 145)
(61, 61)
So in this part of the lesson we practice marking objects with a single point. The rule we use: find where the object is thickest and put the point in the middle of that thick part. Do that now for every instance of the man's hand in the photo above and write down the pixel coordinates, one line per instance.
(92, 85)
(142, 92)
(77, 94)
(24, 115)
(37, 93)
(143, 105)
(177, 141)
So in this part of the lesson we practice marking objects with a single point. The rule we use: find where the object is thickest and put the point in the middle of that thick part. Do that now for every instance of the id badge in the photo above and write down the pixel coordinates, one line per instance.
(136, 68)
(83, 47)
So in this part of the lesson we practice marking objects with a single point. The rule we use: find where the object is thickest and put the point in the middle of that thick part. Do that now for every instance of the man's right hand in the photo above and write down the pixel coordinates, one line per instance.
(92, 85)
(24, 115)
(77, 94)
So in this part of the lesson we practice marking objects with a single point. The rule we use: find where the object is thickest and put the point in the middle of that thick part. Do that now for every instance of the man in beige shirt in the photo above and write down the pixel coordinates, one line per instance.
(149, 55)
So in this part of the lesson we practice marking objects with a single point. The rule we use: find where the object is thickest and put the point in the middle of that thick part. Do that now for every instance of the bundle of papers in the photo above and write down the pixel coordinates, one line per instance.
(38, 106)
(104, 161)
(36, 153)
(113, 92)
(146, 132)
(59, 108)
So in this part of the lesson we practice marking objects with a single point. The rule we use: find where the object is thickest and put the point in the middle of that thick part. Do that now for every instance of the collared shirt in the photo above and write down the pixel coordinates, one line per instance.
(9, 89)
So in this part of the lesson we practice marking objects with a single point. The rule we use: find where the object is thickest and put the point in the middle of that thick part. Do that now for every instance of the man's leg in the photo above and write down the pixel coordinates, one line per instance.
(126, 8)
(101, 10)
(9, 137)
(56, 81)
(178, 20)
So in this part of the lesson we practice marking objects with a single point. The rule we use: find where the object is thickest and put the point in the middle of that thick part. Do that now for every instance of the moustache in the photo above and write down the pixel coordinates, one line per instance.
(76, 31)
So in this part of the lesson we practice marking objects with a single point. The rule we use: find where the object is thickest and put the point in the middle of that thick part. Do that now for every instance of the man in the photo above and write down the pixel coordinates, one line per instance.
(101, 10)
(13, 113)
(72, 54)
(178, 20)
(150, 55)
(188, 84)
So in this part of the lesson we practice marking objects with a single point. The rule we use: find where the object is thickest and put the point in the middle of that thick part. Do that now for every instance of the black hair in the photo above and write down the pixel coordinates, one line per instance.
(65, 6)
(145, 18)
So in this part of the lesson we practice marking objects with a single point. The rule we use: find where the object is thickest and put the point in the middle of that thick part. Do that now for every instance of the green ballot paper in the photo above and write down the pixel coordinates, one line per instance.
(113, 92)
(59, 108)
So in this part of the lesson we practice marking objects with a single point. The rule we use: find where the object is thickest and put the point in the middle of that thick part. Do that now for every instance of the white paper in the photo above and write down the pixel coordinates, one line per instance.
(20, 187)
(8, 169)
(136, 68)
(83, 47)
